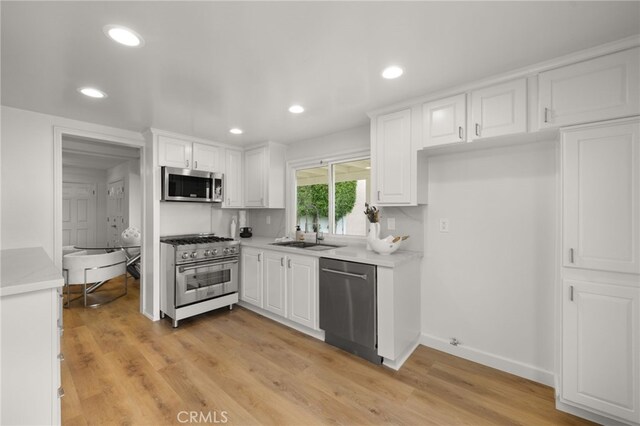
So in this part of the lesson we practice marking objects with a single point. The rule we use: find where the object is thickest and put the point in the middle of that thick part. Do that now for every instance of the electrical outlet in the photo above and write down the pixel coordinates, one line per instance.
(391, 223)
(444, 225)
(268, 220)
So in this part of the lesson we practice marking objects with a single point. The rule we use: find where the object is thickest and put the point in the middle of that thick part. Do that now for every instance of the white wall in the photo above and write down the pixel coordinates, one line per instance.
(99, 178)
(27, 162)
(489, 282)
(356, 139)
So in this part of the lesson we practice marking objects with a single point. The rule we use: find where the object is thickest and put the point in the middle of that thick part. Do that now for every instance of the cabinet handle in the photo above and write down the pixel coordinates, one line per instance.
(378, 195)
(195, 163)
(460, 132)
(187, 163)
(289, 263)
(259, 257)
(60, 392)
(546, 114)
(282, 261)
(571, 293)
(571, 256)
(61, 356)
(228, 200)
(477, 129)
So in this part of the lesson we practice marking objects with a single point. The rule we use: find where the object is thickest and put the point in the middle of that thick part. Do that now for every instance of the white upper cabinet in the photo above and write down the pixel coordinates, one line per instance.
(601, 348)
(174, 152)
(207, 158)
(264, 176)
(499, 110)
(392, 159)
(445, 121)
(233, 179)
(601, 187)
(184, 154)
(599, 89)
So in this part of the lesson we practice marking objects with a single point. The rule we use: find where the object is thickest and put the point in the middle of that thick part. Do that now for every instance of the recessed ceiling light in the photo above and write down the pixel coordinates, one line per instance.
(236, 131)
(124, 35)
(296, 109)
(392, 72)
(92, 92)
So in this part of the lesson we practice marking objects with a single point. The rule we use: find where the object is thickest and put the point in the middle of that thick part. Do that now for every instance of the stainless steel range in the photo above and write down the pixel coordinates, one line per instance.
(199, 273)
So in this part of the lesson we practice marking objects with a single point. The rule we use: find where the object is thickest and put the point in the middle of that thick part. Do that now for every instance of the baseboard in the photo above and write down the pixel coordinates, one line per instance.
(585, 414)
(397, 363)
(491, 360)
(302, 329)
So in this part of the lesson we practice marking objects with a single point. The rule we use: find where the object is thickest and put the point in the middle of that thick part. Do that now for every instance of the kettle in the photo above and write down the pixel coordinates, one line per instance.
(245, 232)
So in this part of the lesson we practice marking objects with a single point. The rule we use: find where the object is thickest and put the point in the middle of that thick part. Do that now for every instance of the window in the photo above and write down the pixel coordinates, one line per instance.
(331, 197)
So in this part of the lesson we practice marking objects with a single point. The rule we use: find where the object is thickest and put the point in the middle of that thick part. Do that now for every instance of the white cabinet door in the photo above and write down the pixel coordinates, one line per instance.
(302, 286)
(207, 158)
(255, 181)
(499, 110)
(392, 160)
(251, 276)
(233, 179)
(599, 89)
(445, 121)
(601, 187)
(275, 283)
(174, 152)
(600, 351)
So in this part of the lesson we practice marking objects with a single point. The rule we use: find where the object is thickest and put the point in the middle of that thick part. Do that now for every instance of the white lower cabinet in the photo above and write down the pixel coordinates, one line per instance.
(601, 348)
(251, 276)
(302, 289)
(281, 283)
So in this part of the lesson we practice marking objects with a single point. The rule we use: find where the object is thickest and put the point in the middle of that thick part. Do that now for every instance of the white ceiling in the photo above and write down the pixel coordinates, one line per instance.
(210, 66)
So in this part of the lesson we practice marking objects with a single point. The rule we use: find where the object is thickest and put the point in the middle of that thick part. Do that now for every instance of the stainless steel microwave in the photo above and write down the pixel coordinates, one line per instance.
(191, 185)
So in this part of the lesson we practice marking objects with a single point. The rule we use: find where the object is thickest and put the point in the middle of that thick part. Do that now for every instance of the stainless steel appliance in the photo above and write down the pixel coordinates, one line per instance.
(348, 307)
(191, 185)
(199, 273)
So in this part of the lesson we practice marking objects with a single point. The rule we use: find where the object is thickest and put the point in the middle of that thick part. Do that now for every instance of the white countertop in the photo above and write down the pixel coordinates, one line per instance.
(352, 253)
(27, 269)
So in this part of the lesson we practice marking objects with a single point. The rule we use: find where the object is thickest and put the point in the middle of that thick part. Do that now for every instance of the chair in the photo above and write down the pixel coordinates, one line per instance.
(91, 268)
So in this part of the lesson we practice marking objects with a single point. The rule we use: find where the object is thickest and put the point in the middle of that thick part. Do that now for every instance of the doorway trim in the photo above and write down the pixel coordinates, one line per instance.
(58, 133)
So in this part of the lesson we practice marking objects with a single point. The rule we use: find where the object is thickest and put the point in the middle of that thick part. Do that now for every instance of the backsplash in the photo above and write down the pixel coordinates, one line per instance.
(193, 218)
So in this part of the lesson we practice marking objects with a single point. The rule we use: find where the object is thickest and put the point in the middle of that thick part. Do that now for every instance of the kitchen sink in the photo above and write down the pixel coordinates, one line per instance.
(306, 245)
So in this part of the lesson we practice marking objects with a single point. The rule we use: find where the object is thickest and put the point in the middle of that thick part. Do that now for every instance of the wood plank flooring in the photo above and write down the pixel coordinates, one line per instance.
(121, 368)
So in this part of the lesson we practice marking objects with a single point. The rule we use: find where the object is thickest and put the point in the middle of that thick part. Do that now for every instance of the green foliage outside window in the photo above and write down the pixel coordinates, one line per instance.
(318, 196)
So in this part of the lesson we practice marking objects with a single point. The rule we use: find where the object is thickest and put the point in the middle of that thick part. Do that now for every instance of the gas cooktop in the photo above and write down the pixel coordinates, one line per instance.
(190, 239)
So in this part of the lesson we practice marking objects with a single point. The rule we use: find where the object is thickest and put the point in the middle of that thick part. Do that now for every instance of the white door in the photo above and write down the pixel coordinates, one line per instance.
(117, 217)
(255, 182)
(251, 276)
(207, 158)
(444, 121)
(393, 159)
(499, 110)
(302, 286)
(233, 179)
(78, 214)
(275, 283)
(601, 185)
(599, 89)
(174, 152)
(600, 349)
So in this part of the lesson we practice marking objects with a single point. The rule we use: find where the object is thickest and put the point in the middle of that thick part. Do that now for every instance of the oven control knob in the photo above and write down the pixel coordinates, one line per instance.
(226, 250)
(207, 253)
(194, 255)
(215, 251)
(185, 255)
(232, 250)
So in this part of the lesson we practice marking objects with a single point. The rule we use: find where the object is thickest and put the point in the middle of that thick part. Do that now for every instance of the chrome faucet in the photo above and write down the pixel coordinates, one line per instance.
(316, 223)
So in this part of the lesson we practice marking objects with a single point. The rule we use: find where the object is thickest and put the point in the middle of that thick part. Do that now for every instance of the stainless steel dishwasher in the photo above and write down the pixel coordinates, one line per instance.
(348, 307)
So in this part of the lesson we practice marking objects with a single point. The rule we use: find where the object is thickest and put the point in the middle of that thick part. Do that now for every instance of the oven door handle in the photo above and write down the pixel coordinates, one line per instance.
(207, 265)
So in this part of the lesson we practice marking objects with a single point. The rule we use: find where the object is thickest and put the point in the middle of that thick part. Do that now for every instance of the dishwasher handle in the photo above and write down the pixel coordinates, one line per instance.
(349, 274)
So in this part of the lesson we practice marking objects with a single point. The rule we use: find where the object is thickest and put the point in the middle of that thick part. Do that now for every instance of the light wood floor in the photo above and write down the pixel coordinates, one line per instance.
(121, 368)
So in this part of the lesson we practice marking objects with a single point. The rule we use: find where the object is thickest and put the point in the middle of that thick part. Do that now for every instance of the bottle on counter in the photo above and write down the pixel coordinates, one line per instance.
(232, 228)
(299, 234)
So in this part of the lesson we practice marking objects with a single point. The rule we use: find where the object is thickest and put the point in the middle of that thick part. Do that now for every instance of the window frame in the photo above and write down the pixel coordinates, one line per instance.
(291, 199)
